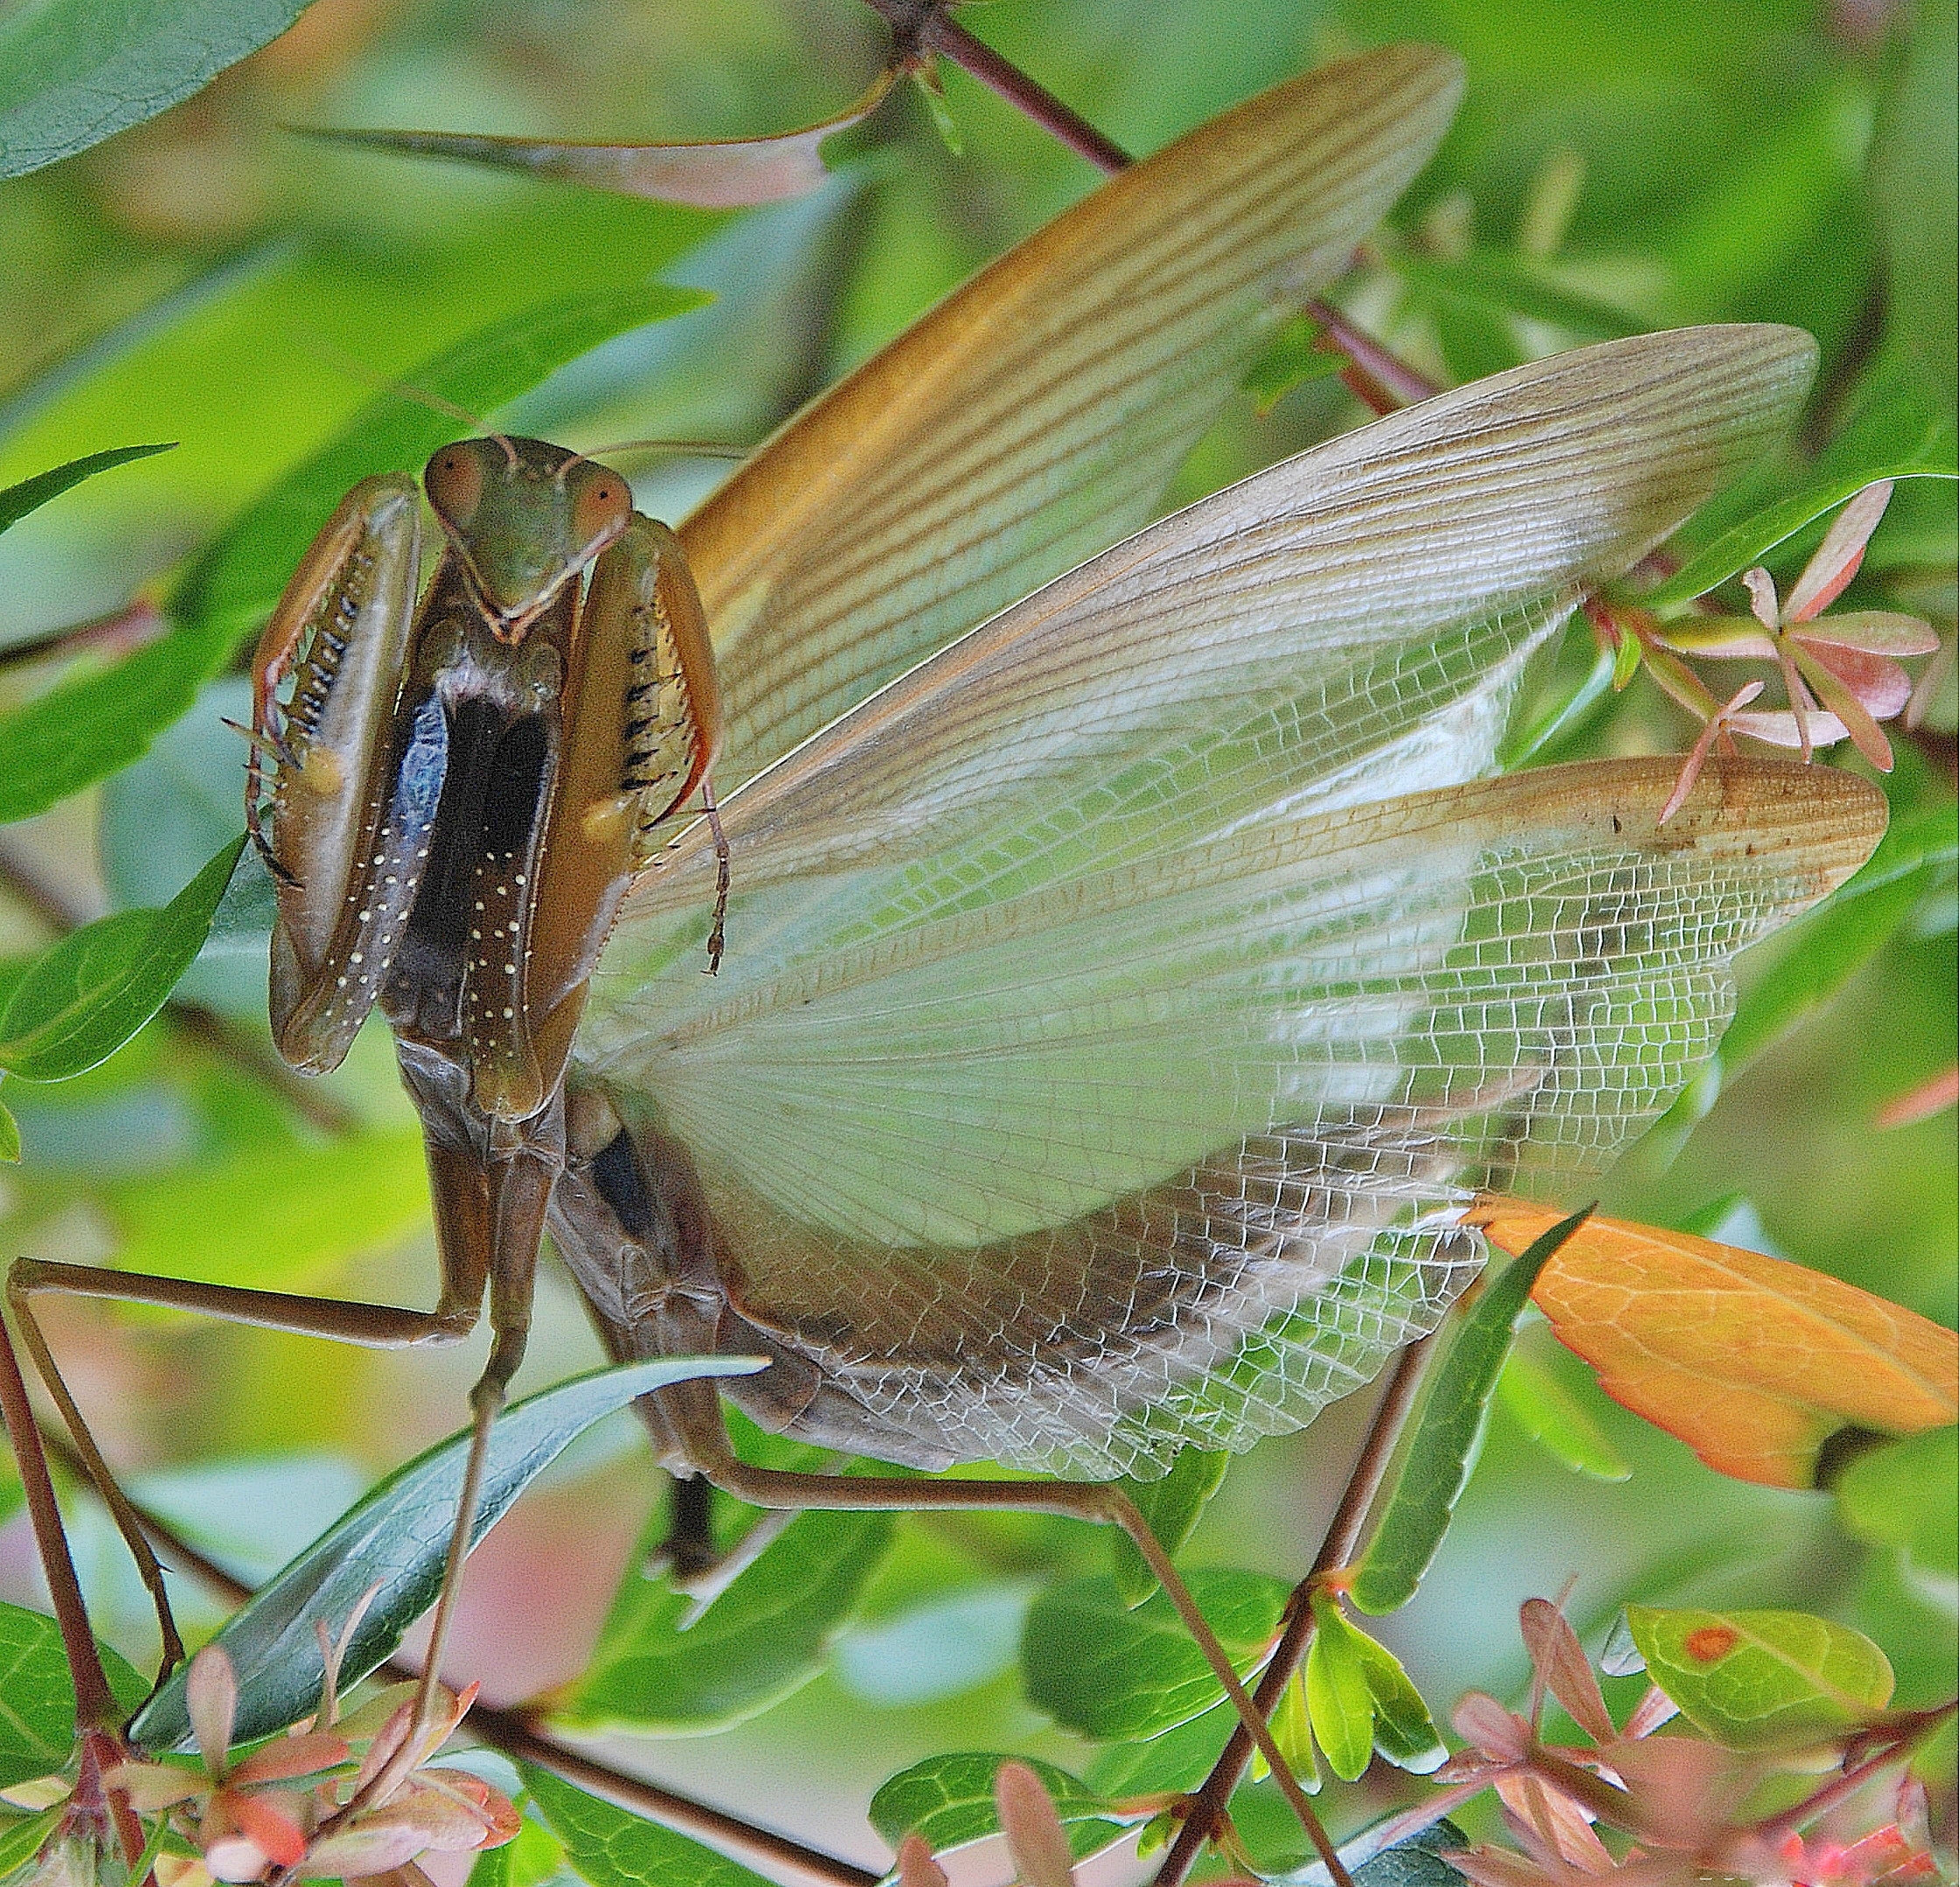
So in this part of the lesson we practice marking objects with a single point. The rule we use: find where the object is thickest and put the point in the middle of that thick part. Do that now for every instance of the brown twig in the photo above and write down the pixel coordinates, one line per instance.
(1379, 378)
(1206, 1810)
(518, 1734)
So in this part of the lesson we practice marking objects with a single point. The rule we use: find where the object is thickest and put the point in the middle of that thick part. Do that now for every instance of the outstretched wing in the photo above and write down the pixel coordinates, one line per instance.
(1172, 1152)
(1344, 625)
(1037, 414)
(1110, 1034)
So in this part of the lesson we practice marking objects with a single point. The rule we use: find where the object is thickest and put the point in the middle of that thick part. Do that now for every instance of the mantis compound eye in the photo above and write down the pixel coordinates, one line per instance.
(454, 480)
(602, 501)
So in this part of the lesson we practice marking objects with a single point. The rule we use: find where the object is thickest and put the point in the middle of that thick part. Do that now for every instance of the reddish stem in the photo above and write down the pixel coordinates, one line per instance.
(1378, 379)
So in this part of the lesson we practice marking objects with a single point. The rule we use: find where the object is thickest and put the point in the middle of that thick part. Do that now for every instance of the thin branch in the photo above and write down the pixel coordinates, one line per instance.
(1381, 380)
(1206, 1810)
(522, 1737)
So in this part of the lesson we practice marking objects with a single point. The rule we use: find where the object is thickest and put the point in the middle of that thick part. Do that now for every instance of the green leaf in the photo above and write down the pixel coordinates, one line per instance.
(659, 1667)
(1119, 1674)
(1339, 1702)
(31, 493)
(37, 1722)
(1556, 1420)
(1903, 1497)
(1823, 950)
(396, 1538)
(948, 1800)
(1911, 174)
(1291, 358)
(533, 1857)
(1404, 1732)
(1762, 1680)
(610, 1848)
(1293, 1732)
(1508, 284)
(1171, 1505)
(929, 87)
(84, 728)
(73, 72)
(1416, 1862)
(1173, 1763)
(1442, 1448)
(285, 1215)
(9, 1136)
(89, 994)
(159, 820)
(1844, 474)
(22, 1836)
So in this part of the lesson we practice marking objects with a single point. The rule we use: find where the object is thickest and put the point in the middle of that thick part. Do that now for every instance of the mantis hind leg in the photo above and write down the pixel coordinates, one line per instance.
(692, 1413)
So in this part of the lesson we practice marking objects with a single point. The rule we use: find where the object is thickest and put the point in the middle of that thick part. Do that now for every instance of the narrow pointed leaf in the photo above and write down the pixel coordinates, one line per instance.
(1114, 1673)
(1553, 1417)
(1753, 1361)
(1747, 543)
(725, 173)
(85, 997)
(609, 1847)
(948, 1801)
(36, 1727)
(31, 493)
(1436, 1464)
(1172, 1506)
(73, 72)
(1515, 284)
(1762, 1680)
(396, 1537)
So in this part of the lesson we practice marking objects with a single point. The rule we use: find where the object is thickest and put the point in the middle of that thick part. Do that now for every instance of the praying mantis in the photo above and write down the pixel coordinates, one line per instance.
(1131, 972)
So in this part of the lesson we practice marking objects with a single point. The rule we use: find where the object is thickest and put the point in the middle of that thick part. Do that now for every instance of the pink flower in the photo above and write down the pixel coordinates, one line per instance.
(1839, 674)
(286, 1809)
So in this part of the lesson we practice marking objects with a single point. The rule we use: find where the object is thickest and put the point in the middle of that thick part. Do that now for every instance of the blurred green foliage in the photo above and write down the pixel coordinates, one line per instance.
(210, 278)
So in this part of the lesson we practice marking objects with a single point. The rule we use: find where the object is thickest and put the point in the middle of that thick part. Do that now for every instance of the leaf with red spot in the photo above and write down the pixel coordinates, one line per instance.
(1762, 1680)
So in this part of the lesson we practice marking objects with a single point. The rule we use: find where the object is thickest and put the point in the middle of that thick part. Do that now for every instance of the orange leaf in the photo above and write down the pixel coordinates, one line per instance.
(1752, 1361)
